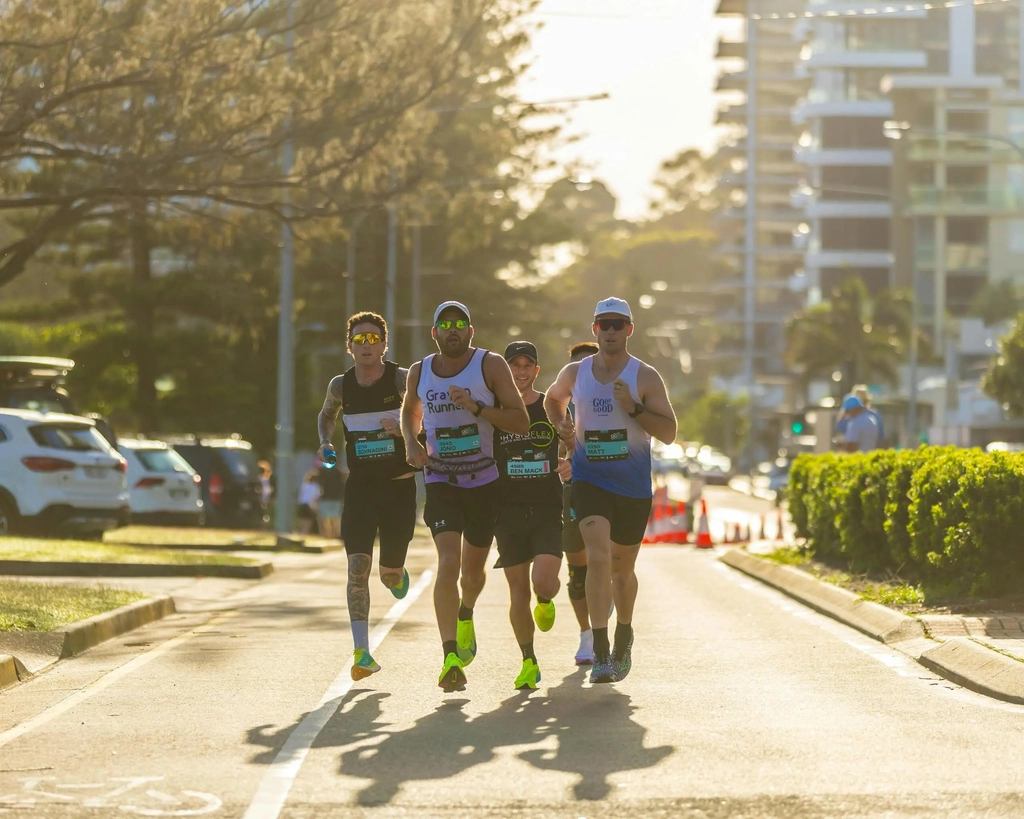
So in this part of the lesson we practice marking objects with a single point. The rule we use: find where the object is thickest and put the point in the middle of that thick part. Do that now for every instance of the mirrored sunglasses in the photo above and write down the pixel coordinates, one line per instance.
(612, 323)
(447, 324)
(367, 338)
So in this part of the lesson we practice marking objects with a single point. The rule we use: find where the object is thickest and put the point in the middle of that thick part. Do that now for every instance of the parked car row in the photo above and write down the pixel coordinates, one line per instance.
(709, 464)
(64, 471)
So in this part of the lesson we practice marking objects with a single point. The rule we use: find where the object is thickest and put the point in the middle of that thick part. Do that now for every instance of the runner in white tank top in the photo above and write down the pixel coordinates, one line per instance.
(458, 397)
(621, 403)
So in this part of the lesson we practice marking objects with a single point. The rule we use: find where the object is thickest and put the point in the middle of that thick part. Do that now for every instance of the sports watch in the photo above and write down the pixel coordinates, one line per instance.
(479, 407)
(637, 410)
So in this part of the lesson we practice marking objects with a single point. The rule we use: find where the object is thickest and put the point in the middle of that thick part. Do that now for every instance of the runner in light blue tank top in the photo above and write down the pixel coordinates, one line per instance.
(621, 403)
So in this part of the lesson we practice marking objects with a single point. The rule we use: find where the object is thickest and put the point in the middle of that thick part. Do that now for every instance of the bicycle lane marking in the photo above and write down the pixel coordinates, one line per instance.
(280, 776)
(130, 667)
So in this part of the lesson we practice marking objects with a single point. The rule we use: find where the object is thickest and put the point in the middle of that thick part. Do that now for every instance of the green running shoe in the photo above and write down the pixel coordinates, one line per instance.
(452, 678)
(465, 635)
(363, 665)
(544, 615)
(402, 589)
(529, 676)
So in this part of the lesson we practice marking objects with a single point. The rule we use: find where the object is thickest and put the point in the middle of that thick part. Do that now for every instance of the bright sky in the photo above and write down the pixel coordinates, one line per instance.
(655, 58)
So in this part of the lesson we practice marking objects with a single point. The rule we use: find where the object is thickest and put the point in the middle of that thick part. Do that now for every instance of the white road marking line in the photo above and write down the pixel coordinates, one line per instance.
(280, 776)
(313, 575)
(83, 694)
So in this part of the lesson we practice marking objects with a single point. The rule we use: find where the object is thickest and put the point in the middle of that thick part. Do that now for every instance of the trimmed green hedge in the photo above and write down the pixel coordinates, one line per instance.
(952, 517)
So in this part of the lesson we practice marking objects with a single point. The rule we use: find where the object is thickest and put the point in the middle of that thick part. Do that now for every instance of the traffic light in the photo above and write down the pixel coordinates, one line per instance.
(797, 426)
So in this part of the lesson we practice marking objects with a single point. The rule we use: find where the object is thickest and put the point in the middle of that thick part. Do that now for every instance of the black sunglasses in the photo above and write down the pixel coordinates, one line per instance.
(612, 324)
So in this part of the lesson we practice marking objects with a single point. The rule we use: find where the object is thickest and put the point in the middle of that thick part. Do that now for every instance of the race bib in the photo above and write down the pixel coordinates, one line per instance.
(455, 442)
(606, 445)
(523, 468)
(374, 443)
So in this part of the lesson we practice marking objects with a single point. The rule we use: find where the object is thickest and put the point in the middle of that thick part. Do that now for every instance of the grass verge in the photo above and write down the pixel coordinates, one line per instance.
(241, 539)
(45, 607)
(84, 551)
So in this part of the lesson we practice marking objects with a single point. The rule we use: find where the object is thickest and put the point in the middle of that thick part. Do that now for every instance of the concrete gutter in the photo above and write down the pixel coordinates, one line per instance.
(26, 653)
(45, 568)
(961, 660)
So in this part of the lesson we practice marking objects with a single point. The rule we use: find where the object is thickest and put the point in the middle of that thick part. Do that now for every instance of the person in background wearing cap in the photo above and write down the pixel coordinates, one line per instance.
(861, 430)
(530, 520)
(380, 496)
(572, 541)
(459, 396)
(861, 391)
(621, 403)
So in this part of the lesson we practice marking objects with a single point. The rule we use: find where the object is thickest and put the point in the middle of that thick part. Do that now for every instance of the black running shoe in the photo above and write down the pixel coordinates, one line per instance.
(622, 661)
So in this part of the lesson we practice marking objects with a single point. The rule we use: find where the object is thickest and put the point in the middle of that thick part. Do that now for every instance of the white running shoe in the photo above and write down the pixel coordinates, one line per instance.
(585, 653)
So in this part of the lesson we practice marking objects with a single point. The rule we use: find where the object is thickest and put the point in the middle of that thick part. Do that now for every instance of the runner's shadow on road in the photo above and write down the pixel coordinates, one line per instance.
(596, 738)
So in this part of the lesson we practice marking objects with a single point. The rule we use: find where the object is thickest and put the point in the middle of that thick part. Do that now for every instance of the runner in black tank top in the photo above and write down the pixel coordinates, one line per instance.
(380, 496)
(530, 520)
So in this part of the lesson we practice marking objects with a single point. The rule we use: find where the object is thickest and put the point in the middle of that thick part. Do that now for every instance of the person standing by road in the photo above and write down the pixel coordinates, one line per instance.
(459, 395)
(860, 433)
(328, 508)
(572, 541)
(380, 499)
(529, 529)
(621, 403)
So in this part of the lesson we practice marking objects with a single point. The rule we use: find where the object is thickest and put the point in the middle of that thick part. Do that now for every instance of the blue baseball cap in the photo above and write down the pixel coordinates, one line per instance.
(851, 402)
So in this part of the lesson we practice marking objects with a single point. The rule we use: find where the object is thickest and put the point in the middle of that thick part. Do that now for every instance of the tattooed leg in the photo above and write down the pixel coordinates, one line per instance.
(391, 577)
(359, 599)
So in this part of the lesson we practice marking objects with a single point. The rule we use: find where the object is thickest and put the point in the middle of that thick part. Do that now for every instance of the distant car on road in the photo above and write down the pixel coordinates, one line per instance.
(37, 383)
(715, 467)
(232, 493)
(58, 474)
(164, 489)
(771, 476)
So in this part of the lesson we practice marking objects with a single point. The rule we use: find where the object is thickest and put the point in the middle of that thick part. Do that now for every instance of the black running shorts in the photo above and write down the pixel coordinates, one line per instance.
(379, 506)
(473, 511)
(627, 516)
(527, 531)
(572, 540)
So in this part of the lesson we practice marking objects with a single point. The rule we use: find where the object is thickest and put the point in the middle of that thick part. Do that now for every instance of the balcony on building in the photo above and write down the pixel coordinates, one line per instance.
(975, 201)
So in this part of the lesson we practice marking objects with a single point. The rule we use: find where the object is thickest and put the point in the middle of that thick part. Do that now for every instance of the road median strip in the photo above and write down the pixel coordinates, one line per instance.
(960, 660)
(25, 653)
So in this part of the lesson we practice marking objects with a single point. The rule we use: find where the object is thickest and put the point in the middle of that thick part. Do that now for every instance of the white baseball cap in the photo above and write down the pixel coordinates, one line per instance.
(458, 305)
(613, 305)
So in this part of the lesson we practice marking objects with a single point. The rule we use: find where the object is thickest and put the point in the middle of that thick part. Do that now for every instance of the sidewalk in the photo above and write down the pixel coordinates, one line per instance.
(1003, 631)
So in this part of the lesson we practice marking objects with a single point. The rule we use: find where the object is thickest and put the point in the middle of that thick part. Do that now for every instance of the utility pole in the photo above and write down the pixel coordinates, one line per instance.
(417, 295)
(750, 227)
(285, 444)
(392, 273)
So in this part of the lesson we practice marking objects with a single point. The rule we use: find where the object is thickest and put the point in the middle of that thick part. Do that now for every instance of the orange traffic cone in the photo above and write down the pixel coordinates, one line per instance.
(703, 532)
(677, 531)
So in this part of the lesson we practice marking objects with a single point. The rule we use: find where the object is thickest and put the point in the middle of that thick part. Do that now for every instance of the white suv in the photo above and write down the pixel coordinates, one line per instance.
(58, 473)
(164, 488)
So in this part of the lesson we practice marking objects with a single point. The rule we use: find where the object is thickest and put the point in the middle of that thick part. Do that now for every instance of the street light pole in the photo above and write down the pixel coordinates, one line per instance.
(750, 226)
(417, 296)
(392, 271)
(285, 444)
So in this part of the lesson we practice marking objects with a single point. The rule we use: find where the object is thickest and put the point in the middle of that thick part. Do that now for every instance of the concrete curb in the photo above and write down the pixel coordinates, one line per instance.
(41, 568)
(43, 648)
(978, 667)
(236, 547)
(8, 671)
(877, 621)
(959, 659)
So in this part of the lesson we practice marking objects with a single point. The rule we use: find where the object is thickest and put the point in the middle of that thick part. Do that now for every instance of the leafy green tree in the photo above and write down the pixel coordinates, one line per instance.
(864, 342)
(1004, 380)
(716, 420)
(997, 302)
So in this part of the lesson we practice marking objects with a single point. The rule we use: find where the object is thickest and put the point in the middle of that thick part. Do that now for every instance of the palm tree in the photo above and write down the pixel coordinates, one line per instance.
(864, 342)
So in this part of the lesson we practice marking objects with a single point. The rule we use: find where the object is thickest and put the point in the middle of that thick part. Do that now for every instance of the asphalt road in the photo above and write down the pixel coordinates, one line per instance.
(741, 703)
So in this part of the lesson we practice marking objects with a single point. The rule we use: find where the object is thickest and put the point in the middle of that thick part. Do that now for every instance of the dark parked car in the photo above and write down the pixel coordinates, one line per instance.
(37, 383)
(231, 490)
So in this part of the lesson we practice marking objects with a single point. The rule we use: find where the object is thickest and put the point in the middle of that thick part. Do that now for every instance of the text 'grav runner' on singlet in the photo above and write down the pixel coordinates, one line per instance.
(370, 451)
(460, 446)
(527, 462)
(612, 450)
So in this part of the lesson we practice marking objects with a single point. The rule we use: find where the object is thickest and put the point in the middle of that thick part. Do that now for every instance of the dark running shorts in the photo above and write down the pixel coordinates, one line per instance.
(627, 516)
(473, 512)
(527, 531)
(378, 505)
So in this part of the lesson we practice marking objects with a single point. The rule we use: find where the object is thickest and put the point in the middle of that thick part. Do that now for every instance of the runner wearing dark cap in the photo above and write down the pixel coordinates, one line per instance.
(529, 527)
(459, 396)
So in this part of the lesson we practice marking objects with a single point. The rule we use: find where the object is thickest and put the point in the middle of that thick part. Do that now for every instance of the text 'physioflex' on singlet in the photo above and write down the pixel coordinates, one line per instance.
(370, 451)
(460, 446)
(612, 450)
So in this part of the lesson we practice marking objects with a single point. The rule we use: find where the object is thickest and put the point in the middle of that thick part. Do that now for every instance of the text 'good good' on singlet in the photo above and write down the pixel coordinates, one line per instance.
(460, 446)
(370, 451)
(612, 451)
(527, 462)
